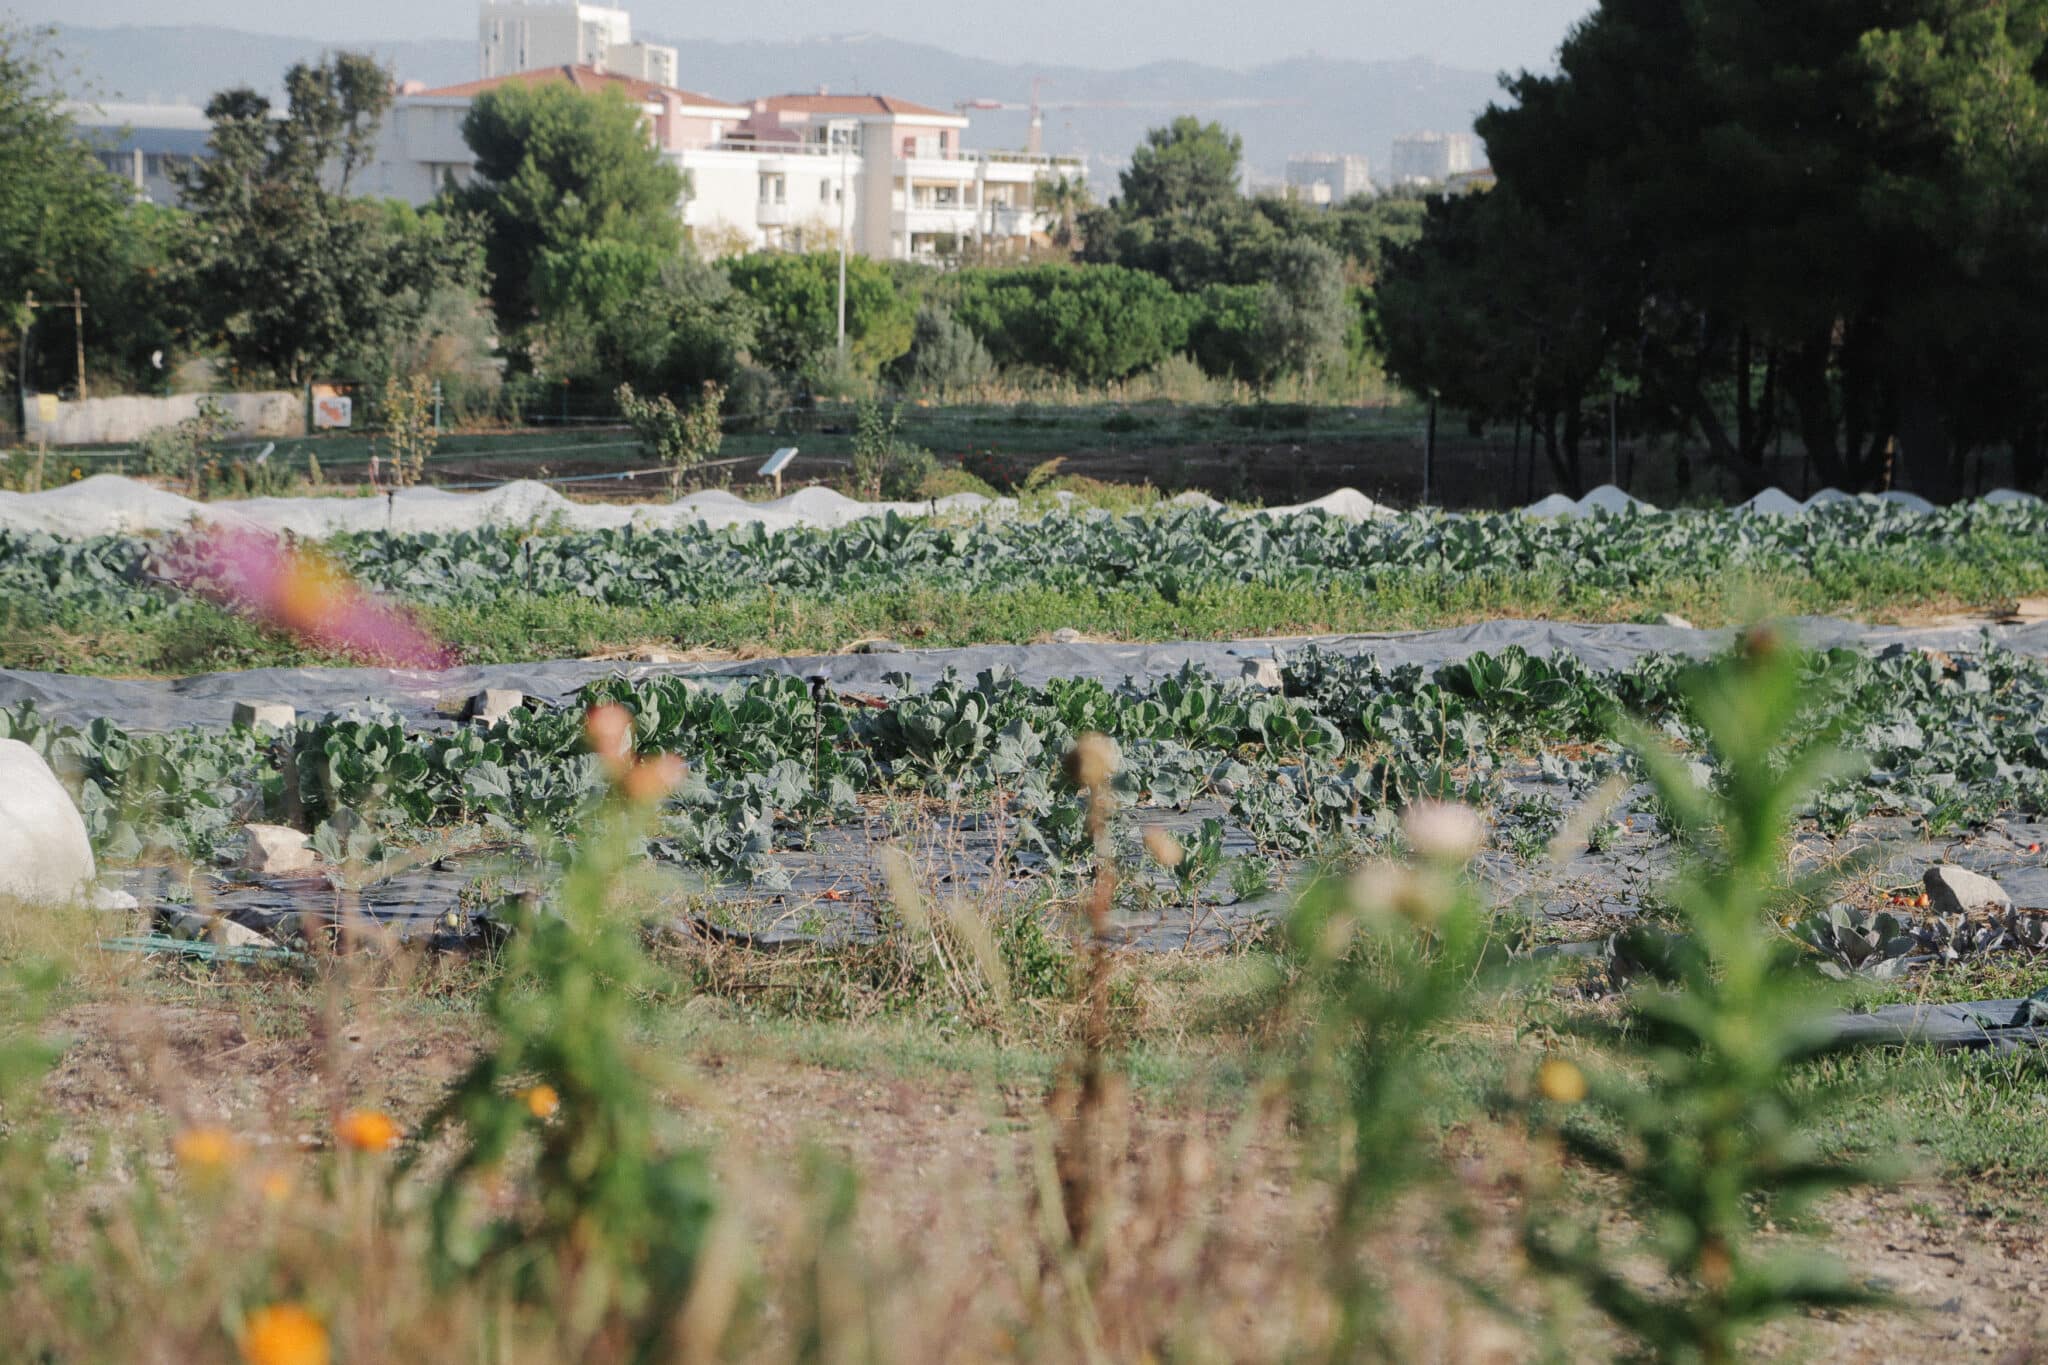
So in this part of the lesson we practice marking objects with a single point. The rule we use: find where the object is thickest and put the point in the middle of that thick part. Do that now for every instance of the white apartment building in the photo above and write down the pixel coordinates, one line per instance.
(524, 35)
(1325, 178)
(771, 174)
(142, 143)
(913, 192)
(1433, 158)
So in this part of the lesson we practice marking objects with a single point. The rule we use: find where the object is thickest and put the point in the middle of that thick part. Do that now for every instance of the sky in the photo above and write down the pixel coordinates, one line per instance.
(1480, 34)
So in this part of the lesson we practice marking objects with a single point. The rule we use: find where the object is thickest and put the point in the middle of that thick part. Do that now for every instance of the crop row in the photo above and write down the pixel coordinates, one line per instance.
(1322, 768)
(1163, 553)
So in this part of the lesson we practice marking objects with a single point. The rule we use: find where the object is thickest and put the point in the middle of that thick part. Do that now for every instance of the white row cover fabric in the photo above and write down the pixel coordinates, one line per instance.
(111, 504)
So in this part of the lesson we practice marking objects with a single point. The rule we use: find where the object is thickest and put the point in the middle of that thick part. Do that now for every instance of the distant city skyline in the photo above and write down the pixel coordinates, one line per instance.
(1481, 34)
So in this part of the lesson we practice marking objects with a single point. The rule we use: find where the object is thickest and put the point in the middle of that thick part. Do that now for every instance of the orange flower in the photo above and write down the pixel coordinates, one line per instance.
(1560, 1081)
(274, 1186)
(206, 1150)
(368, 1130)
(284, 1334)
(541, 1101)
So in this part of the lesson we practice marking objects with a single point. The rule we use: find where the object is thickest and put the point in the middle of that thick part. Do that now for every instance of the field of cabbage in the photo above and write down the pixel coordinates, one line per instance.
(127, 604)
(1251, 782)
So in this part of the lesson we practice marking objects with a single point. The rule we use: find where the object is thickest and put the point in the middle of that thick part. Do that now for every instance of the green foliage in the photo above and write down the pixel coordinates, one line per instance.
(1706, 1130)
(183, 449)
(66, 223)
(409, 431)
(1182, 168)
(884, 465)
(1853, 284)
(945, 356)
(1095, 323)
(1385, 962)
(577, 207)
(287, 275)
(796, 297)
(611, 1214)
(681, 438)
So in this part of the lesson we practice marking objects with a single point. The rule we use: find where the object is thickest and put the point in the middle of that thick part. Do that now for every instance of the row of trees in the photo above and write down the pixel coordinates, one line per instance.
(1749, 220)
(564, 260)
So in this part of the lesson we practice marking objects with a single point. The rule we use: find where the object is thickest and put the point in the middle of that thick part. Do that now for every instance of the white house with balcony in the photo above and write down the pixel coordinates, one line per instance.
(771, 174)
(911, 190)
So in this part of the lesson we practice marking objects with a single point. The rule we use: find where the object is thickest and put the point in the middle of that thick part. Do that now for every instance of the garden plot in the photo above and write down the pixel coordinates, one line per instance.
(794, 788)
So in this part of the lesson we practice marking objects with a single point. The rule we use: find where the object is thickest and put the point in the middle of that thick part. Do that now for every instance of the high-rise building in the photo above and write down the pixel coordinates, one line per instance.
(1328, 177)
(1432, 158)
(526, 35)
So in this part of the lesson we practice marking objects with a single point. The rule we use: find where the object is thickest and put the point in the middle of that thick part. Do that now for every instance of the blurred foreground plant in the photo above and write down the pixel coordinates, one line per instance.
(1387, 960)
(591, 1217)
(1701, 1124)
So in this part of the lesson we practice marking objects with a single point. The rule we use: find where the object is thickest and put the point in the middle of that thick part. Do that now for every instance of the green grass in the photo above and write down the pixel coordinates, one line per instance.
(519, 627)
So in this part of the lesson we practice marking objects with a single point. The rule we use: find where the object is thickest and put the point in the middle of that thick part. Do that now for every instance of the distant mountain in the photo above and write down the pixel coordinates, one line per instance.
(1304, 105)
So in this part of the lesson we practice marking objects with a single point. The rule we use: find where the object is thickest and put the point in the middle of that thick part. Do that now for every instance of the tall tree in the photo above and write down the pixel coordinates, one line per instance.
(557, 170)
(287, 275)
(65, 222)
(1182, 168)
(1811, 214)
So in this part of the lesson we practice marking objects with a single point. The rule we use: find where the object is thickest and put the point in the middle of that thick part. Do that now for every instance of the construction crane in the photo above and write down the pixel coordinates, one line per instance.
(1037, 107)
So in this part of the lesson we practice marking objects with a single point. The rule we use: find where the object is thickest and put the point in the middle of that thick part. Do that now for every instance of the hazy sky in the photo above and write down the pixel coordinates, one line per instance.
(1485, 34)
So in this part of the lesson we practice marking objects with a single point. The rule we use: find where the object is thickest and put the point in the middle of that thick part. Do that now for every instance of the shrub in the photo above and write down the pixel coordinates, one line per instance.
(181, 450)
(883, 466)
(682, 439)
(410, 429)
(1094, 324)
(945, 355)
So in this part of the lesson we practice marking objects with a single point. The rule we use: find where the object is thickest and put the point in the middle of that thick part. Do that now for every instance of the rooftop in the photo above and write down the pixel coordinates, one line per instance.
(851, 105)
(586, 78)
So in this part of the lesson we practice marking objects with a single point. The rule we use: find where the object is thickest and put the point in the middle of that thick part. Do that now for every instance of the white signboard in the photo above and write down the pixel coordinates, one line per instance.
(336, 411)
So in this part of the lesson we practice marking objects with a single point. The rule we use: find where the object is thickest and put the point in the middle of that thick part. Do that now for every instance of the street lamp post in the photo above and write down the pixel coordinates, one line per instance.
(842, 130)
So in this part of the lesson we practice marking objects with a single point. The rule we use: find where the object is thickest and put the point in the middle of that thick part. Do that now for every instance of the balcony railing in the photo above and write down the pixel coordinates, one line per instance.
(955, 154)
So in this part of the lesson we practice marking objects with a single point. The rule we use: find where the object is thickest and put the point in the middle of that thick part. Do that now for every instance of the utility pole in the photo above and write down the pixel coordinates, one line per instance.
(78, 326)
(842, 130)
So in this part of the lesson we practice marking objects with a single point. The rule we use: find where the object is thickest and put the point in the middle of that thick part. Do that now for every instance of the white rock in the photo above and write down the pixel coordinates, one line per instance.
(493, 704)
(257, 715)
(45, 856)
(277, 849)
(1675, 621)
(1959, 891)
(1262, 673)
(217, 929)
(1066, 635)
(2000, 497)
(1826, 497)
(1912, 502)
